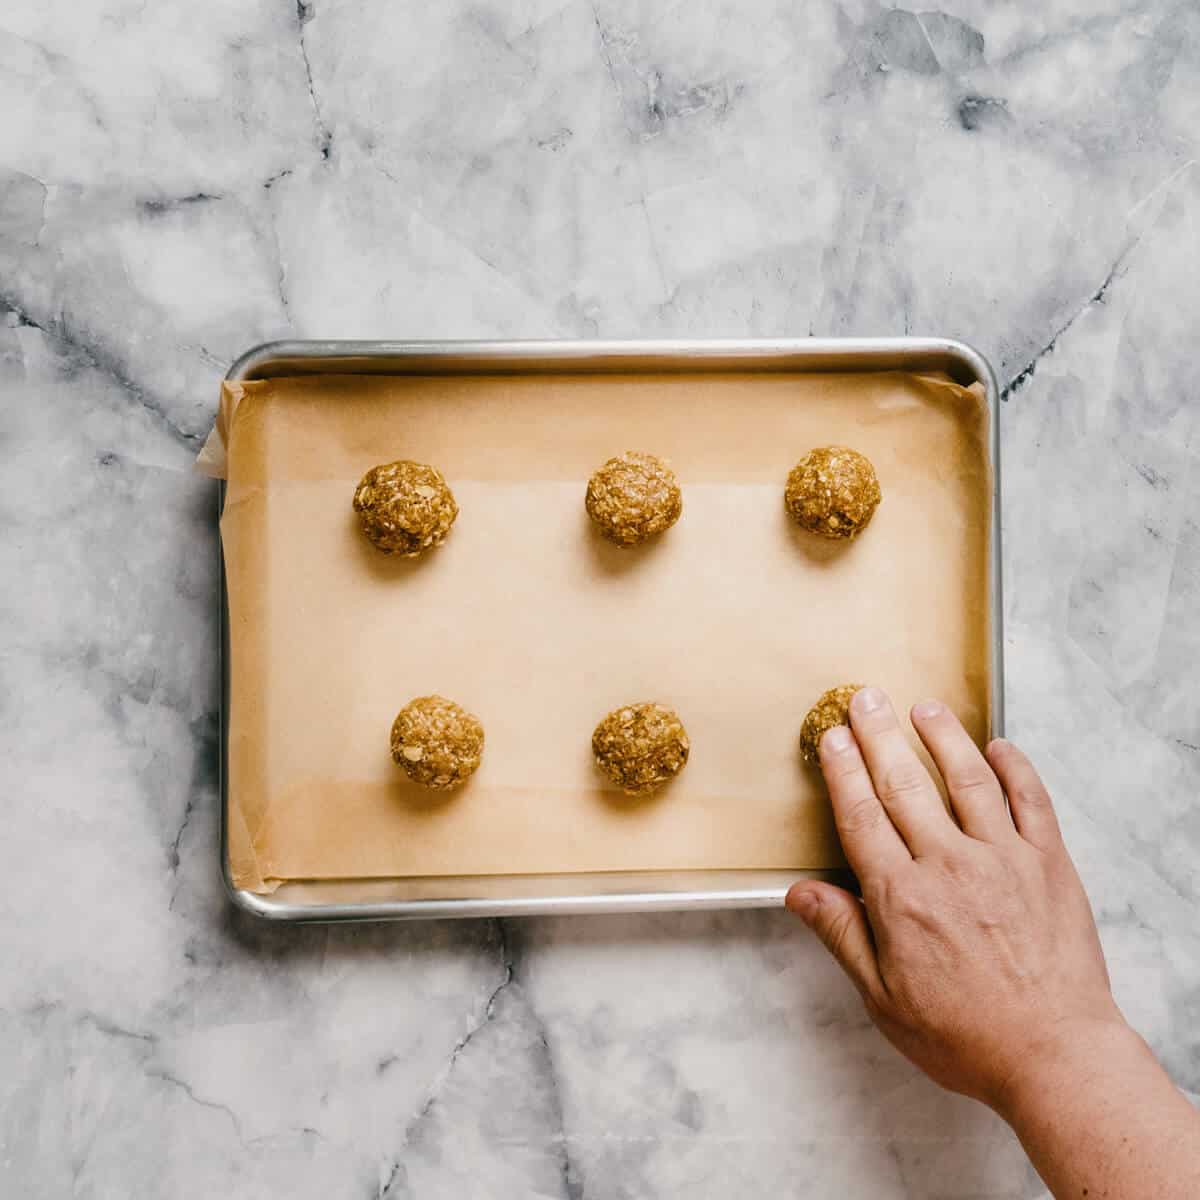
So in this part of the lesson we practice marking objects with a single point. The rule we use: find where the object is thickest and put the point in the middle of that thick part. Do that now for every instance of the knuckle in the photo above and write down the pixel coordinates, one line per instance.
(861, 815)
(890, 896)
(1034, 797)
(903, 780)
(837, 931)
(961, 869)
(970, 781)
(913, 907)
(875, 891)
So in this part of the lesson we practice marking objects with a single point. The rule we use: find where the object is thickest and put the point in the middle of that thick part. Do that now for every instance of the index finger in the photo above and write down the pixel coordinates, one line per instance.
(869, 839)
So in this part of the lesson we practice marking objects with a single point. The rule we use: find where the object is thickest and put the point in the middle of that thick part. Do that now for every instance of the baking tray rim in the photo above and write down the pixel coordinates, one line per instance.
(679, 355)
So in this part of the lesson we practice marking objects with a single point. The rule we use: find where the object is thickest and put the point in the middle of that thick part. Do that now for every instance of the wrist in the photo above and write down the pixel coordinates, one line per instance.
(1071, 1056)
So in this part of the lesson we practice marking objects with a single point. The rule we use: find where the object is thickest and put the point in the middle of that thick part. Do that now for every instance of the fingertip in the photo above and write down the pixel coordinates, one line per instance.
(840, 922)
(926, 710)
(836, 740)
(871, 712)
(803, 900)
(868, 700)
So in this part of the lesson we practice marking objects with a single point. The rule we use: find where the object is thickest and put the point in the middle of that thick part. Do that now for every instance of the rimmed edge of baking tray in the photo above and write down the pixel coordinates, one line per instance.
(613, 892)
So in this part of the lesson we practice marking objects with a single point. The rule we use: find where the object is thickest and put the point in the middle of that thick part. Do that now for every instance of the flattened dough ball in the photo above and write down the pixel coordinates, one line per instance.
(640, 747)
(437, 742)
(833, 708)
(832, 491)
(633, 497)
(405, 507)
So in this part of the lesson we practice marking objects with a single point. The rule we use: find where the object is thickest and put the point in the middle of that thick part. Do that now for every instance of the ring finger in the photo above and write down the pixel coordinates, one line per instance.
(974, 789)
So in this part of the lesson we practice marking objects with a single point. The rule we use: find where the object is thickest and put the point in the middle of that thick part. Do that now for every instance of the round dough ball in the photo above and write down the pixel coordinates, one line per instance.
(833, 708)
(437, 742)
(640, 747)
(633, 497)
(832, 491)
(405, 507)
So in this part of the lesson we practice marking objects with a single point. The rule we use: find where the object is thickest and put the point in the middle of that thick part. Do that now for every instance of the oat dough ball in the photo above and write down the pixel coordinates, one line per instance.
(405, 507)
(832, 491)
(633, 497)
(640, 747)
(437, 742)
(833, 708)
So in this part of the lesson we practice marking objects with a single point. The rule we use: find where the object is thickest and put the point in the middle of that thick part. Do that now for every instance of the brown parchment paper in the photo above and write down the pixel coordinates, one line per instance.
(532, 622)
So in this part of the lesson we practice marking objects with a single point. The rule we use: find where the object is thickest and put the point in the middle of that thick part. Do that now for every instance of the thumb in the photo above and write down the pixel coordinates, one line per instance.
(840, 921)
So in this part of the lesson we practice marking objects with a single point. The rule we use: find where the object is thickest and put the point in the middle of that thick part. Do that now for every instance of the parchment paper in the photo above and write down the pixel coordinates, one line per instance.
(532, 622)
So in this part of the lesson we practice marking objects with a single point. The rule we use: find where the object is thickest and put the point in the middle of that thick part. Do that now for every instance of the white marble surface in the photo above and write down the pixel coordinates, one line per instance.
(180, 181)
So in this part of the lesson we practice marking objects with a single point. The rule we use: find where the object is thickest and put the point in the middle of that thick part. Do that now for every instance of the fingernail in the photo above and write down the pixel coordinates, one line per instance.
(927, 709)
(869, 700)
(803, 903)
(836, 740)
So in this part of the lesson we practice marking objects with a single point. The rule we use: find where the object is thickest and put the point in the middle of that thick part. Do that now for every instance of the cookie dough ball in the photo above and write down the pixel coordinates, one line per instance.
(405, 507)
(833, 708)
(633, 497)
(832, 491)
(438, 743)
(640, 747)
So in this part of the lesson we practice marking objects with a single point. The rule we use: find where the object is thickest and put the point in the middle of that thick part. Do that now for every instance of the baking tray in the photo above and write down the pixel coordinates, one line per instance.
(607, 892)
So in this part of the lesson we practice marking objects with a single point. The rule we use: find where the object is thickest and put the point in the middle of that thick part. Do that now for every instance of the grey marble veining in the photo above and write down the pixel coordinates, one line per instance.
(178, 182)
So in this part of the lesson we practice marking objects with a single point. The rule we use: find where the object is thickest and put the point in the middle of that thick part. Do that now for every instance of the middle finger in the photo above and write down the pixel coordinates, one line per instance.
(901, 780)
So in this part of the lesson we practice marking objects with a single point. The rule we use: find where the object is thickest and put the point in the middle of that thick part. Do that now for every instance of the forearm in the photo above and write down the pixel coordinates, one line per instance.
(1099, 1117)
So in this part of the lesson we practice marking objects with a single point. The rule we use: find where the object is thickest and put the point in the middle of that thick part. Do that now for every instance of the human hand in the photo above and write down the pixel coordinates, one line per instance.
(974, 945)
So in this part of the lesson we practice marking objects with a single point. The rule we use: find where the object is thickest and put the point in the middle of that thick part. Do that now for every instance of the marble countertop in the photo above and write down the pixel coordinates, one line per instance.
(178, 183)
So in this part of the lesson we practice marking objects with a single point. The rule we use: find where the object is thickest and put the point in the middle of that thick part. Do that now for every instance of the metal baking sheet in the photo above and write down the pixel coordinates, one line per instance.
(498, 896)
